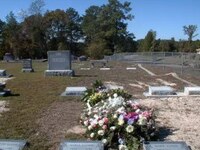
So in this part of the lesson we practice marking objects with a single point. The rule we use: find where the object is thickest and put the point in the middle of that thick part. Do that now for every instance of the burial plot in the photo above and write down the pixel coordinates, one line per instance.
(81, 145)
(74, 91)
(12, 144)
(59, 64)
(158, 145)
(160, 91)
(27, 65)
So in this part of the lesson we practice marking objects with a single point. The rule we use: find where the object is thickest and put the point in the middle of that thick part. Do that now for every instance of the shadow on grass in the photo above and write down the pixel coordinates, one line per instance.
(85, 75)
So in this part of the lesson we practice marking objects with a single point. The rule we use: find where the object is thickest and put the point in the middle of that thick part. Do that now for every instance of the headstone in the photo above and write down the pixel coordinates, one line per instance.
(192, 90)
(85, 68)
(81, 145)
(74, 91)
(82, 58)
(59, 64)
(113, 87)
(2, 73)
(3, 91)
(99, 63)
(27, 65)
(8, 57)
(12, 144)
(165, 146)
(160, 91)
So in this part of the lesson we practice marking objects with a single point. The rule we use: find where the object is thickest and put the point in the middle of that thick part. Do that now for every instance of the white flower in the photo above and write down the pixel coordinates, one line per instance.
(115, 116)
(89, 127)
(101, 132)
(123, 147)
(112, 128)
(104, 141)
(129, 128)
(101, 122)
(96, 116)
(142, 121)
(120, 110)
(115, 95)
(138, 111)
(92, 135)
(86, 123)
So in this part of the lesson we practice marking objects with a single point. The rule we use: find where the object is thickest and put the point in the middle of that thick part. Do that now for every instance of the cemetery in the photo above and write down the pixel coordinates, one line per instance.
(56, 122)
(99, 75)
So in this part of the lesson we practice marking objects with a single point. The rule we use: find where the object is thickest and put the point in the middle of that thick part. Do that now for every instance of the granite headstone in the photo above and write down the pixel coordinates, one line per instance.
(59, 64)
(27, 65)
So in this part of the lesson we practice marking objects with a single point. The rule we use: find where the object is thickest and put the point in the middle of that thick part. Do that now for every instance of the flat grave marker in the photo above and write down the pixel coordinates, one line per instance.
(81, 145)
(74, 91)
(59, 64)
(158, 145)
(160, 91)
(192, 91)
(12, 144)
(27, 65)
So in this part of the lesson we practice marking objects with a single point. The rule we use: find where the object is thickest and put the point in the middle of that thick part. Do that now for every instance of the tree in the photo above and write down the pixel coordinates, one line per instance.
(190, 31)
(149, 42)
(10, 32)
(36, 7)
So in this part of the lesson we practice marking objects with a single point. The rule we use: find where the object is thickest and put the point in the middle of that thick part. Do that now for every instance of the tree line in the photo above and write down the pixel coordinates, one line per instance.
(102, 30)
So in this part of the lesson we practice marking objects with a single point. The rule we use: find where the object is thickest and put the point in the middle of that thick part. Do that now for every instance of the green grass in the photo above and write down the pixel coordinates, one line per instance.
(36, 93)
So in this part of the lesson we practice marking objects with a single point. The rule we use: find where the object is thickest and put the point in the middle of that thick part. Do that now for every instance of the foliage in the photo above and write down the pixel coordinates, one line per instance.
(190, 31)
(116, 120)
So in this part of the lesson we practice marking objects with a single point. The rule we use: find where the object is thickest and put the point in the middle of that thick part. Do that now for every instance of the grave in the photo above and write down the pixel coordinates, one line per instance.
(3, 74)
(158, 145)
(192, 91)
(59, 64)
(74, 91)
(104, 68)
(99, 63)
(3, 91)
(160, 91)
(81, 145)
(8, 57)
(27, 65)
(130, 68)
(12, 144)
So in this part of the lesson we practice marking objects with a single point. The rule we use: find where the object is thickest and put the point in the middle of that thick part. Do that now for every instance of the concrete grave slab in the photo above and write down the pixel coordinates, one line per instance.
(105, 69)
(74, 91)
(131, 68)
(158, 145)
(160, 91)
(12, 144)
(81, 145)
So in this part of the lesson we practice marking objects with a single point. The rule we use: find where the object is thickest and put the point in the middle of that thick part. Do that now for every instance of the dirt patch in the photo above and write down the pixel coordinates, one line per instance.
(58, 119)
(178, 119)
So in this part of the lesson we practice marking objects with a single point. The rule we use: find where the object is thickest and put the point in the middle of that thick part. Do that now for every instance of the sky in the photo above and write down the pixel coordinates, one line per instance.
(166, 17)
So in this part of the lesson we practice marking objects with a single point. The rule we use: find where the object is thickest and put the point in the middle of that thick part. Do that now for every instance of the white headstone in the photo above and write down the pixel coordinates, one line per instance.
(74, 91)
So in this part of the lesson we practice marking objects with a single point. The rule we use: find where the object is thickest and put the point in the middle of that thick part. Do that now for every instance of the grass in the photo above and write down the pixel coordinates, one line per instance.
(35, 94)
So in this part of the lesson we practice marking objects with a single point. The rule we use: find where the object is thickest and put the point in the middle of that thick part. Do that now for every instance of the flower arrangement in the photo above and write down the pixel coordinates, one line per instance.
(117, 121)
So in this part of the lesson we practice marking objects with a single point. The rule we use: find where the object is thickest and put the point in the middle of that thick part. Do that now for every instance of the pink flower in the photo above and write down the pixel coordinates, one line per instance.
(105, 120)
(104, 127)
(146, 114)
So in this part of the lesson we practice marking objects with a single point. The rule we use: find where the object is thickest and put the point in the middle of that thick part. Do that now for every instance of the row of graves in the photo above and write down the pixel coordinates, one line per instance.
(59, 64)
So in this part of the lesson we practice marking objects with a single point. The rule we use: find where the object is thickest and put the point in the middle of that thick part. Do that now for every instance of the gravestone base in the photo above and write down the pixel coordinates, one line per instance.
(27, 70)
(74, 91)
(59, 73)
